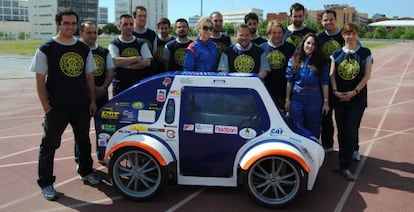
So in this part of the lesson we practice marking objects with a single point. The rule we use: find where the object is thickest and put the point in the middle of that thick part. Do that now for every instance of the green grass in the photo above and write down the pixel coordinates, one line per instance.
(376, 44)
(28, 47)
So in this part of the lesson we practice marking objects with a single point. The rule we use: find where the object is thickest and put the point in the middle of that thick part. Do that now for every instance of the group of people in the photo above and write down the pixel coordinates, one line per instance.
(308, 75)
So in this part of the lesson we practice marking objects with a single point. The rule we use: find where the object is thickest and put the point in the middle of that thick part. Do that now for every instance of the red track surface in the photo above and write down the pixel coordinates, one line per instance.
(385, 173)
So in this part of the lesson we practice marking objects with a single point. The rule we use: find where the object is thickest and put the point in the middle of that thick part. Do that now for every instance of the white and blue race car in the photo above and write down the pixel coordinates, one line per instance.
(207, 129)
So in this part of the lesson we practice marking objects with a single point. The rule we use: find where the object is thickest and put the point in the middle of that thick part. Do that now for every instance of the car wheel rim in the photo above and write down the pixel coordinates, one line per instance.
(137, 174)
(274, 180)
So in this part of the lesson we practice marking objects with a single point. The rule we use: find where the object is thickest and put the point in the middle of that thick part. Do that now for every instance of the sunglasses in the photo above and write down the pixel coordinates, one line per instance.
(207, 28)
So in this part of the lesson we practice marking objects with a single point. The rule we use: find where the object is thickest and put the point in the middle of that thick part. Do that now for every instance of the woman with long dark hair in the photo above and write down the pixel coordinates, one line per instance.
(307, 87)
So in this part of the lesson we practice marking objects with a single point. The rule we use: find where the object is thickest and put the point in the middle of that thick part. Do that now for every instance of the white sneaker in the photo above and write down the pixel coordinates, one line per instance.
(356, 156)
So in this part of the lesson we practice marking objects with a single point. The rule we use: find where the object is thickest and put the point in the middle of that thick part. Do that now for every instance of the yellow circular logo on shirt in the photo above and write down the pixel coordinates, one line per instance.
(71, 64)
(329, 46)
(130, 52)
(244, 63)
(348, 69)
(100, 65)
(276, 59)
(179, 55)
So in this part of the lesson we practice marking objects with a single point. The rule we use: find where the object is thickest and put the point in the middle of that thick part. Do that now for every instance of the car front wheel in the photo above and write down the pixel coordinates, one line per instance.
(275, 181)
(136, 174)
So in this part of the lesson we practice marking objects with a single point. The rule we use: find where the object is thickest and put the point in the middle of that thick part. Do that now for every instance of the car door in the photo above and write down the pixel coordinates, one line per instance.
(214, 124)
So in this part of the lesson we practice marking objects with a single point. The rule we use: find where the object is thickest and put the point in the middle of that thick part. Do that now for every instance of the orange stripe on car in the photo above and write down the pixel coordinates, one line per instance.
(277, 152)
(140, 145)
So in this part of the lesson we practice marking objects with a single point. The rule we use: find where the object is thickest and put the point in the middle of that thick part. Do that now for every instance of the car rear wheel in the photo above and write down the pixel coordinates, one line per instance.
(136, 174)
(275, 181)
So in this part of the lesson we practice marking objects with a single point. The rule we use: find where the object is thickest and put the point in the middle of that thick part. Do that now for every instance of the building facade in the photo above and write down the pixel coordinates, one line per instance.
(42, 14)
(237, 16)
(14, 20)
(156, 9)
(103, 15)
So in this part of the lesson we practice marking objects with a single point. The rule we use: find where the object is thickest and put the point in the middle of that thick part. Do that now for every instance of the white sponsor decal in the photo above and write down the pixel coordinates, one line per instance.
(146, 115)
(204, 128)
(103, 139)
(225, 129)
(247, 133)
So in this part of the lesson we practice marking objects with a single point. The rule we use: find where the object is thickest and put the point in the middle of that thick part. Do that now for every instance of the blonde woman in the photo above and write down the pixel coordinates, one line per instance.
(201, 55)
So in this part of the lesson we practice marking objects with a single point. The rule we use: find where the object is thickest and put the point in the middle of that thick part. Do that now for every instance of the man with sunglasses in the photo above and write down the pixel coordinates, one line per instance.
(131, 56)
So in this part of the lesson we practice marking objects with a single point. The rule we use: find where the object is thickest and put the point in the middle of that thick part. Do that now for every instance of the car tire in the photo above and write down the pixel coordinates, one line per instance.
(275, 181)
(136, 174)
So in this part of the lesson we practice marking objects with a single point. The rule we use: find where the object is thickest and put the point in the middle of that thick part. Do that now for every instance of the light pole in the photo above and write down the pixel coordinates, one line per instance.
(201, 9)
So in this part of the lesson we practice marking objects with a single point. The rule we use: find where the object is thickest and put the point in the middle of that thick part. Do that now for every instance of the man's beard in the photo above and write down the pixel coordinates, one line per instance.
(297, 23)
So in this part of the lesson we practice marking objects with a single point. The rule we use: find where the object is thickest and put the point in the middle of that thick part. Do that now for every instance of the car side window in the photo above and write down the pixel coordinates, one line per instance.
(170, 111)
(222, 106)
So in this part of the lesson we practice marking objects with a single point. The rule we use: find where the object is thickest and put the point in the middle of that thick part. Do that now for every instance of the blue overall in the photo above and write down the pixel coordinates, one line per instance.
(306, 101)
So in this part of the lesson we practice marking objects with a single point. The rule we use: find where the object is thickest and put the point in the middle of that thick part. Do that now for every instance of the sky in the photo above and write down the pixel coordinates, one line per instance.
(188, 8)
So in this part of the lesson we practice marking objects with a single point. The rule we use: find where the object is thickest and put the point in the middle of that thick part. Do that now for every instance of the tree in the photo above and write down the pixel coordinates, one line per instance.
(261, 29)
(110, 29)
(380, 33)
(229, 28)
(408, 34)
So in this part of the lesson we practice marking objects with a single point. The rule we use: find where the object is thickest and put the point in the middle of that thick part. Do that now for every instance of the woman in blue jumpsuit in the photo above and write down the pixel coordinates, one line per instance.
(306, 75)
(201, 55)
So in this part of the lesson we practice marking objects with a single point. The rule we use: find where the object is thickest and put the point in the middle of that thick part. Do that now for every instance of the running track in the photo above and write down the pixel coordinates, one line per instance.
(385, 173)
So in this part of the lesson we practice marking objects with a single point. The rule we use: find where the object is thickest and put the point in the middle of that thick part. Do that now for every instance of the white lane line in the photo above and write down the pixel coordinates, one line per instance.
(32, 162)
(22, 117)
(385, 114)
(37, 147)
(361, 164)
(24, 198)
(184, 201)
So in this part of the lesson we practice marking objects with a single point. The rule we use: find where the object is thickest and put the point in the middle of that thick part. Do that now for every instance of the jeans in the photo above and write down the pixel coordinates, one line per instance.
(54, 124)
(348, 120)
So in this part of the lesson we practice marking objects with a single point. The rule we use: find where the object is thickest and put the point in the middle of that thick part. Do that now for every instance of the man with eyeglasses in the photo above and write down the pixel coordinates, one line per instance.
(66, 90)
(141, 31)
(131, 56)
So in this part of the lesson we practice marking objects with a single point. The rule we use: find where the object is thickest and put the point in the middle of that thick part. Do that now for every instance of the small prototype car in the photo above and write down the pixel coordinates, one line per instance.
(207, 129)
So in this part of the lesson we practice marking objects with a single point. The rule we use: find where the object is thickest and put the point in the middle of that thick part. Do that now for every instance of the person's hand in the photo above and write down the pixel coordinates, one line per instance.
(92, 109)
(345, 96)
(100, 92)
(325, 108)
(48, 109)
(287, 106)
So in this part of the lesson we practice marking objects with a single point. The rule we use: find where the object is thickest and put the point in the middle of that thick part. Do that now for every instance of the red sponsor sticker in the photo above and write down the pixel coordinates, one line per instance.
(225, 129)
